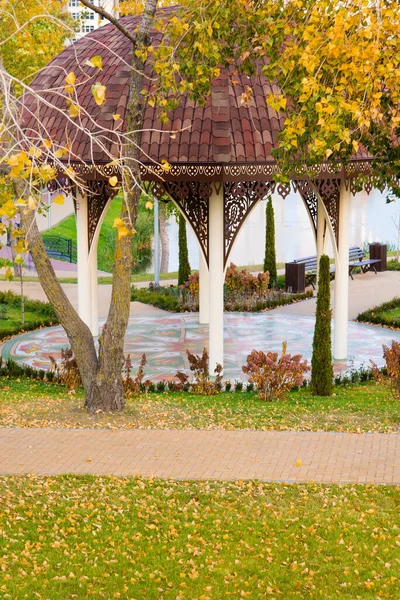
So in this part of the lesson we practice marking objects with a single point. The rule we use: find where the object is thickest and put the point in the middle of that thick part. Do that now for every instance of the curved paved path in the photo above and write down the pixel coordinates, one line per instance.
(264, 455)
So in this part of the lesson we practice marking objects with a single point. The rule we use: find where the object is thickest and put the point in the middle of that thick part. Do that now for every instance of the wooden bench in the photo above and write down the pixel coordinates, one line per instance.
(357, 260)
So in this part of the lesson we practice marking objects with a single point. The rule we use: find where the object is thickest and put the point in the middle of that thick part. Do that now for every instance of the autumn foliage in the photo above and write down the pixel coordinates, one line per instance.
(273, 375)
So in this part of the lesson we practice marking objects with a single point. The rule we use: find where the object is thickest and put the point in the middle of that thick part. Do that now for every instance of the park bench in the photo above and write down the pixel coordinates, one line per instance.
(357, 260)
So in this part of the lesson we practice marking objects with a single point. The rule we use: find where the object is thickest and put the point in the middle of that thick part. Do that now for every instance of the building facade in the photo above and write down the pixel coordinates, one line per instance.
(87, 19)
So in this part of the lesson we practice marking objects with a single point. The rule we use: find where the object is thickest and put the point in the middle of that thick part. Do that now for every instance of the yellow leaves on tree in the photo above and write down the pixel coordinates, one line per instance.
(37, 38)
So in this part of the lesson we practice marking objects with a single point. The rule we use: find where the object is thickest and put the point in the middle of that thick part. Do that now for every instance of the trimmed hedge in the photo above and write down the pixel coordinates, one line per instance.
(167, 299)
(160, 300)
(378, 314)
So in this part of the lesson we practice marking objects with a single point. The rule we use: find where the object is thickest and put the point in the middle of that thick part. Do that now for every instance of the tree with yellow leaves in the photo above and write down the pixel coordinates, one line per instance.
(336, 66)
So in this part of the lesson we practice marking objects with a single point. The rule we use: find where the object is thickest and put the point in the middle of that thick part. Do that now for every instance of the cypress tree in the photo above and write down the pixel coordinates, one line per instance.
(321, 362)
(270, 254)
(184, 265)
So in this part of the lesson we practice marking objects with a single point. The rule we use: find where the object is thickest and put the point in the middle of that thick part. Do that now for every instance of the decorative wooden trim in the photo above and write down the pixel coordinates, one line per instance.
(306, 191)
(239, 200)
(192, 199)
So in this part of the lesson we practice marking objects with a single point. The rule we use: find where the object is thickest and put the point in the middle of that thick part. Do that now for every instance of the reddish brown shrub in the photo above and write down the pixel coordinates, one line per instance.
(272, 375)
(392, 357)
(66, 371)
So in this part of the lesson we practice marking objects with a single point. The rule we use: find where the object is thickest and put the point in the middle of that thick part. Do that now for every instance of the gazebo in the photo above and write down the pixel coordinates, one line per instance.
(220, 161)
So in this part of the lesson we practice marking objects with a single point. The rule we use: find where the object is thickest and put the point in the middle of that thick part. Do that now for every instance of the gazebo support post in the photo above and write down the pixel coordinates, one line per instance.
(342, 277)
(204, 304)
(84, 284)
(216, 277)
(94, 288)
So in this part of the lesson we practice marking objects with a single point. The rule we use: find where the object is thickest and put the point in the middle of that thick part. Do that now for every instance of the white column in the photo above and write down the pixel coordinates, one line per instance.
(156, 245)
(94, 289)
(84, 286)
(204, 301)
(342, 277)
(216, 278)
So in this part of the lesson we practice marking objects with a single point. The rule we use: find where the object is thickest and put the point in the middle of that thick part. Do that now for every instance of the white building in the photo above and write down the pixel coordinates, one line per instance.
(88, 19)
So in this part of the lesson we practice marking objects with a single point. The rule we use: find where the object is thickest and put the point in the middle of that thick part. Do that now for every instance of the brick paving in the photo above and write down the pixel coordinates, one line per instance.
(264, 455)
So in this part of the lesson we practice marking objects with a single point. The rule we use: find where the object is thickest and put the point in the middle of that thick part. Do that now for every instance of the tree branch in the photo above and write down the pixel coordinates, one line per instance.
(106, 15)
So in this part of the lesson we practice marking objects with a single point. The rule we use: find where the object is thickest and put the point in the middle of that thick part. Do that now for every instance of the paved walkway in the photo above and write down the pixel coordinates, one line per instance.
(264, 455)
(365, 291)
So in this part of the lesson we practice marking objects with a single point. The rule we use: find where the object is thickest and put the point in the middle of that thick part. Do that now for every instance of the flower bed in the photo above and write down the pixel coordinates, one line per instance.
(243, 292)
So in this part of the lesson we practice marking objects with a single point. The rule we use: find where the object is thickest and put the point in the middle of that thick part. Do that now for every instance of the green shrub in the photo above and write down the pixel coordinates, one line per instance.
(321, 363)
(155, 298)
(393, 265)
(270, 254)
(184, 265)
(378, 315)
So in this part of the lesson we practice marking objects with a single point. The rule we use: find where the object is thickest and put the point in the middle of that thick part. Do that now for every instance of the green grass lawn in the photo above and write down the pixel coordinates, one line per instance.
(12, 318)
(67, 229)
(36, 314)
(386, 314)
(98, 537)
(359, 408)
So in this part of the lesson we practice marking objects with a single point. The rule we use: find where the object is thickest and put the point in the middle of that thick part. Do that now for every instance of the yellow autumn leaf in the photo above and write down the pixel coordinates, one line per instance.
(35, 152)
(47, 143)
(149, 205)
(99, 93)
(13, 161)
(118, 222)
(59, 199)
(299, 463)
(20, 247)
(166, 167)
(8, 274)
(70, 78)
(95, 61)
(122, 231)
(32, 203)
(113, 181)
(8, 209)
(116, 116)
(20, 202)
(73, 110)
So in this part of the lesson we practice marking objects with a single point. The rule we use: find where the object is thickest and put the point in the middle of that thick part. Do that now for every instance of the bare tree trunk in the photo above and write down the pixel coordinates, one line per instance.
(17, 267)
(111, 356)
(164, 243)
(21, 279)
(78, 332)
(102, 374)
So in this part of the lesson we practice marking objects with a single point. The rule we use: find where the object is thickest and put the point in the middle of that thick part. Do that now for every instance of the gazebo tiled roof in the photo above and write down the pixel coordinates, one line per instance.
(222, 131)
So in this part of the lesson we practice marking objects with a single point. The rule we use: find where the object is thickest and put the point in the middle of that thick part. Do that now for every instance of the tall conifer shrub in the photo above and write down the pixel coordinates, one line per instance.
(270, 254)
(321, 363)
(184, 265)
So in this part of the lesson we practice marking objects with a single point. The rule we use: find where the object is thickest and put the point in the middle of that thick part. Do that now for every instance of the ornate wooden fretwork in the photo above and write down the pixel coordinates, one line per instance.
(192, 199)
(99, 193)
(310, 199)
(239, 200)
(329, 191)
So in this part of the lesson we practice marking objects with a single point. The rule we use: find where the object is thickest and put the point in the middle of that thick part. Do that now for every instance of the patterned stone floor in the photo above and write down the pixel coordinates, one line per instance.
(164, 339)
